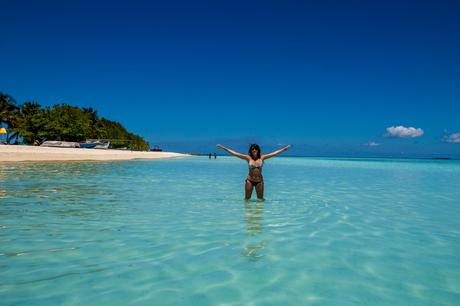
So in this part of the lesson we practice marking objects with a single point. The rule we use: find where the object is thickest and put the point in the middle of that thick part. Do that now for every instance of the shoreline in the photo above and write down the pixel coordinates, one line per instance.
(24, 153)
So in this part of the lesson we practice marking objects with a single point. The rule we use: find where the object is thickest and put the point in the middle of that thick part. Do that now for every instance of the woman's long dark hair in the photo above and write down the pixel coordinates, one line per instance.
(254, 146)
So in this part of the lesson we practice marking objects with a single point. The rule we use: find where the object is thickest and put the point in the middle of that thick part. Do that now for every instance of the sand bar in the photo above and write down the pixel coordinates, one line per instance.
(18, 153)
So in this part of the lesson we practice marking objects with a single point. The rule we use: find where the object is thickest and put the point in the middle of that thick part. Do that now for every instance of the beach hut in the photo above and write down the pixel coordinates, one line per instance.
(3, 131)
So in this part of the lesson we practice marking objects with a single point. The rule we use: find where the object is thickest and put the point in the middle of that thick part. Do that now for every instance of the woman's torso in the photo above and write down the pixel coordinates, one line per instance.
(255, 170)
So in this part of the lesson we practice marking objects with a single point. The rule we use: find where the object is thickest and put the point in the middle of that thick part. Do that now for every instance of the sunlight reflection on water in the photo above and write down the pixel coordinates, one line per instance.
(179, 232)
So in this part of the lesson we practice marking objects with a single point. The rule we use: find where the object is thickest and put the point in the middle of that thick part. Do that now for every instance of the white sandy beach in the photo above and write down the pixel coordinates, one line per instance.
(19, 153)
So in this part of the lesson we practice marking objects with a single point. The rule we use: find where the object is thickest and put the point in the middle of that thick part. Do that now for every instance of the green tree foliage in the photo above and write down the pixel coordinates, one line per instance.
(63, 122)
(120, 137)
(10, 115)
(33, 122)
(68, 123)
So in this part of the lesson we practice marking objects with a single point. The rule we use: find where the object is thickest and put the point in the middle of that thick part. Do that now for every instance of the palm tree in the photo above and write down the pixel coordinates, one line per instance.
(7, 105)
(10, 115)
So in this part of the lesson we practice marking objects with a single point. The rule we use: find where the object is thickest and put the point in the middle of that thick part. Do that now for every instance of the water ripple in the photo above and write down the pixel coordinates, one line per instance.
(177, 232)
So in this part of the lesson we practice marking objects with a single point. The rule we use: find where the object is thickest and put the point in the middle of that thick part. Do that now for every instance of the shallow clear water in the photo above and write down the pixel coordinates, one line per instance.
(331, 232)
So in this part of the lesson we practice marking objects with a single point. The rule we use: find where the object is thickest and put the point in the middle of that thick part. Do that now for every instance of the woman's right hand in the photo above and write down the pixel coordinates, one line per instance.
(220, 146)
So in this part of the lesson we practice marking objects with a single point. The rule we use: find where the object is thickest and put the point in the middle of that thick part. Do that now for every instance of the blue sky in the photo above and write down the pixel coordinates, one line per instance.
(328, 77)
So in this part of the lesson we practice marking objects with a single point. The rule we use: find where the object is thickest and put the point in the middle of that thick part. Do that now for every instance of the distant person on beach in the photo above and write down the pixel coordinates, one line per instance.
(255, 162)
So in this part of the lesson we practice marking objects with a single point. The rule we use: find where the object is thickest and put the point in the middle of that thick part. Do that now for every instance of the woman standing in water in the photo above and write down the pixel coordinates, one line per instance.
(255, 162)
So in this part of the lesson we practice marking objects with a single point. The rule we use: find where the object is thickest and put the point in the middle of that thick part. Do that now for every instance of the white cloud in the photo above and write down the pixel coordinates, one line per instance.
(455, 137)
(404, 132)
(372, 144)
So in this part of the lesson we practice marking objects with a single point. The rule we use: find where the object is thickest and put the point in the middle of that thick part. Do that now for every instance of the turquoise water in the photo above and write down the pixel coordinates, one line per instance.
(178, 232)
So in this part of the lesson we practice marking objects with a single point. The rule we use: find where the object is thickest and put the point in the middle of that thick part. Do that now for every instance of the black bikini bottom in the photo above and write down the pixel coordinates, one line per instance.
(254, 183)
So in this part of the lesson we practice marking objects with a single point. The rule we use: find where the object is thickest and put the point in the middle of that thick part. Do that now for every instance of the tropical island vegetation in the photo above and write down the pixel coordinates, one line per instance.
(30, 123)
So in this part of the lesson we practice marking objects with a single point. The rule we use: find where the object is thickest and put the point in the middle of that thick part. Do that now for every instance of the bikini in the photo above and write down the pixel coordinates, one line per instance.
(255, 178)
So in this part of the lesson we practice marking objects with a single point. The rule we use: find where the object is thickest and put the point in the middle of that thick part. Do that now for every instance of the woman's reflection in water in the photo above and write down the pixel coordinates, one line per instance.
(254, 216)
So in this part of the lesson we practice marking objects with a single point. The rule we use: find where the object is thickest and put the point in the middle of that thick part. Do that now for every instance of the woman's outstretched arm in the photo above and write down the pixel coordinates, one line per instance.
(242, 156)
(266, 156)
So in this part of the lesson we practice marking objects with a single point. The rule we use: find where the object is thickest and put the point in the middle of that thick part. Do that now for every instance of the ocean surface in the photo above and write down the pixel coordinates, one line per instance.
(178, 232)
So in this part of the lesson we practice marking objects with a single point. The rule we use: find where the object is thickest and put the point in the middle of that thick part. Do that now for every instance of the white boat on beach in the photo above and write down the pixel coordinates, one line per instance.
(99, 143)
(88, 144)
(60, 144)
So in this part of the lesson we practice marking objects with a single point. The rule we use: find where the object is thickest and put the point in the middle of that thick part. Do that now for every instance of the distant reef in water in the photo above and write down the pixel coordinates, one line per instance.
(31, 123)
